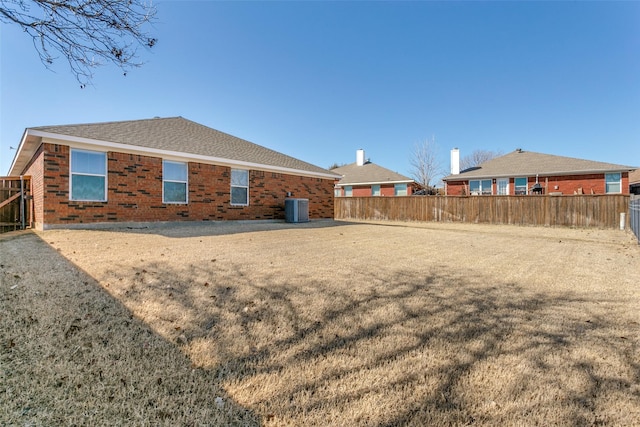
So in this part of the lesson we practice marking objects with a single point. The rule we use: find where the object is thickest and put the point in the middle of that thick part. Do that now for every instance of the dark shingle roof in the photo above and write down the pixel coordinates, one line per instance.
(177, 134)
(528, 163)
(369, 173)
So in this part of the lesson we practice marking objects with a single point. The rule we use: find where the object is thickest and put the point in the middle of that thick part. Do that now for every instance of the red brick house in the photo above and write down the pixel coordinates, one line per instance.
(364, 178)
(524, 172)
(634, 182)
(162, 169)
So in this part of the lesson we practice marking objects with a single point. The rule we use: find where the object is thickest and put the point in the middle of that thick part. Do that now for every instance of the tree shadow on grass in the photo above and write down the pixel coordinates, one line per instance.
(71, 354)
(393, 348)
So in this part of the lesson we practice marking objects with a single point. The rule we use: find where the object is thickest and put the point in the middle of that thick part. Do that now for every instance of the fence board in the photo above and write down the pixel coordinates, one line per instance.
(588, 210)
(12, 204)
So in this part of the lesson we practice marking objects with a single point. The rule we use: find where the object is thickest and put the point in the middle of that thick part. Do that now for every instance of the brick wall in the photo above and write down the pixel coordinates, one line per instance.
(35, 169)
(134, 192)
(568, 184)
(385, 190)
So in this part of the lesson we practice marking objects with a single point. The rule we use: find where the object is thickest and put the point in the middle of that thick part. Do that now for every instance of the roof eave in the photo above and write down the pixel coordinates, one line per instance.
(81, 142)
(405, 181)
(462, 177)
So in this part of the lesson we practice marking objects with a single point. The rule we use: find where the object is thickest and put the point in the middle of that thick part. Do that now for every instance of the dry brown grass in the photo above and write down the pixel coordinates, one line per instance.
(320, 324)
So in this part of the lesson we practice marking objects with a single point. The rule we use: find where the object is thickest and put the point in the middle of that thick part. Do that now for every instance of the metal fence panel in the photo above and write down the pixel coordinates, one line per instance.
(634, 215)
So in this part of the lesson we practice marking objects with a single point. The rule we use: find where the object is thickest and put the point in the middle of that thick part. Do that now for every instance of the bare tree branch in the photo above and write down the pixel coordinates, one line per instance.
(88, 33)
(426, 167)
(477, 158)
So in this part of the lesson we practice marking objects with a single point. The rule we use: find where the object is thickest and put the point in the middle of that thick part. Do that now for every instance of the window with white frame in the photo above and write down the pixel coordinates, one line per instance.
(88, 176)
(239, 187)
(480, 187)
(375, 190)
(400, 189)
(174, 182)
(520, 186)
(613, 182)
(348, 191)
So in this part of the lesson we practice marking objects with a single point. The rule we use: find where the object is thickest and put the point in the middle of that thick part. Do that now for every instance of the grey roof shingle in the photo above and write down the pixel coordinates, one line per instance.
(177, 134)
(369, 173)
(528, 163)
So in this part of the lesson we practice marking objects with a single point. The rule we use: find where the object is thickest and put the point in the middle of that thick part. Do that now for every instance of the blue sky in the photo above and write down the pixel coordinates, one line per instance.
(319, 80)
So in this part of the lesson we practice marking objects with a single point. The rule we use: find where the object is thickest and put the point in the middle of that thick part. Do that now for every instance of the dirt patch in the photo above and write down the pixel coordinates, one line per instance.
(324, 323)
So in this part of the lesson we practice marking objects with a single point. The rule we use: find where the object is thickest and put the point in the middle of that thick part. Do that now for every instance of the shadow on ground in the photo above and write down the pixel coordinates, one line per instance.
(392, 348)
(71, 354)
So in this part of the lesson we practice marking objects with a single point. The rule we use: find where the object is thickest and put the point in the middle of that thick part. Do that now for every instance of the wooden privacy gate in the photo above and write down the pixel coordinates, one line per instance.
(15, 203)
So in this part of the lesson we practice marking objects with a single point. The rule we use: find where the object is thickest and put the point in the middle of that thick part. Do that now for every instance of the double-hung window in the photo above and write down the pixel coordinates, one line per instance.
(480, 187)
(375, 190)
(239, 187)
(520, 186)
(88, 176)
(348, 191)
(400, 189)
(613, 183)
(174, 182)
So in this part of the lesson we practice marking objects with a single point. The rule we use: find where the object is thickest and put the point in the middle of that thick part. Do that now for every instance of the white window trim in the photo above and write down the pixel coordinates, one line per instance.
(71, 174)
(526, 185)
(482, 191)
(238, 186)
(397, 190)
(373, 194)
(186, 183)
(606, 183)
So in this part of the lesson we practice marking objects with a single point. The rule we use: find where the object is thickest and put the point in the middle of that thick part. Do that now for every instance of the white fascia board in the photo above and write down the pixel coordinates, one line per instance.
(18, 153)
(406, 181)
(533, 174)
(87, 143)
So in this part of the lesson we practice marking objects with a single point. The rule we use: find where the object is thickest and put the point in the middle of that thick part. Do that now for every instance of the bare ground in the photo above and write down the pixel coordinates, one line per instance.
(325, 323)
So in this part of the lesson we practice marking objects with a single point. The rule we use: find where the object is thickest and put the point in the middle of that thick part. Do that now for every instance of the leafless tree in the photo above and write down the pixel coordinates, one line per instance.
(477, 158)
(426, 166)
(88, 33)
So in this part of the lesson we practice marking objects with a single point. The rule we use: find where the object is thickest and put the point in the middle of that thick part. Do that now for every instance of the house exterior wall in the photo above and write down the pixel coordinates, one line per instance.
(564, 184)
(36, 170)
(134, 192)
(386, 190)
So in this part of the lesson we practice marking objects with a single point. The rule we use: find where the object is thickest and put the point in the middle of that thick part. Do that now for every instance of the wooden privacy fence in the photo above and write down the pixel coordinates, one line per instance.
(15, 209)
(602, 211)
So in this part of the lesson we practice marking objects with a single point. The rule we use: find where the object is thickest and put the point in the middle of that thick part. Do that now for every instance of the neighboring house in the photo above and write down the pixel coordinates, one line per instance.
(162, 169)
(525, 172)
(634, 182)
(363, 178)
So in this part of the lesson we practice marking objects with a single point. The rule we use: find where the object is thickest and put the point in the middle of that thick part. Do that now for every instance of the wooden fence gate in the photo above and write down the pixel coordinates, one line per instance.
(15, 203)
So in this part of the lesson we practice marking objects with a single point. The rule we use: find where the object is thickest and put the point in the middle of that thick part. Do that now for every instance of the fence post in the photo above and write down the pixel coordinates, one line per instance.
(22, 199)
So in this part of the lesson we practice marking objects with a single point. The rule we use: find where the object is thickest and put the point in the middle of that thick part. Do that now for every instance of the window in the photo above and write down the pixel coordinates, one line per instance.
(337, 192)
(520, 186)
(88, 176)
(480, 187)
(502, 185)
(375, 190)
(348, 191)
(174, 182)
(400, 189)
(613, 183)
(239, 187)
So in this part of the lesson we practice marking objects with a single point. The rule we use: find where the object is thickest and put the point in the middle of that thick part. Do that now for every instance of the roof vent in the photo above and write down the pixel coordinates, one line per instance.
(519, 150)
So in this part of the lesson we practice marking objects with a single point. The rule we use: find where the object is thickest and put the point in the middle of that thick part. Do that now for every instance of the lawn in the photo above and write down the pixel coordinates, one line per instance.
(323, 323)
